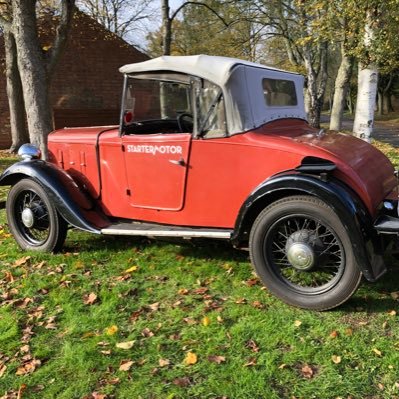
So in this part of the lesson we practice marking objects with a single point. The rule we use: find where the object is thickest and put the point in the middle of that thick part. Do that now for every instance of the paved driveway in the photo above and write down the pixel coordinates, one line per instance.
(383, 130)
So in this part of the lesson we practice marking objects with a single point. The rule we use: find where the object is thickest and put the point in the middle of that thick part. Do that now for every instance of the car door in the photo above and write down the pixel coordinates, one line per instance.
(156, 169)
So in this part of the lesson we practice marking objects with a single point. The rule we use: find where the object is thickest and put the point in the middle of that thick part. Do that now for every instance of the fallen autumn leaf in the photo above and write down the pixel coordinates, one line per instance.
(125, 365)
(307, 371)
(191, 358)
(90, 299)
(111, 330)
(125, 345)
(216, 359)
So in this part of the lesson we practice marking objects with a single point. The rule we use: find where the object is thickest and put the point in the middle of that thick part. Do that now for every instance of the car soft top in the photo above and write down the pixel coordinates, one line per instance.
(241, 83)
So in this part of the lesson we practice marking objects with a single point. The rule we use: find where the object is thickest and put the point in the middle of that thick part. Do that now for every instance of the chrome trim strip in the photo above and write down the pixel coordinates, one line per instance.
(169, 233)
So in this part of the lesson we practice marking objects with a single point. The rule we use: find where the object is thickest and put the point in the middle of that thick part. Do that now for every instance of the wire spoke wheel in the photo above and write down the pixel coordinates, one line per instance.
(305, 254)
(33, 219)
(302, 252)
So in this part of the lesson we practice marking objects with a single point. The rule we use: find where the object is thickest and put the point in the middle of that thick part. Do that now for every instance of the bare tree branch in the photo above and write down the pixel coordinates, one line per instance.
(197, 3)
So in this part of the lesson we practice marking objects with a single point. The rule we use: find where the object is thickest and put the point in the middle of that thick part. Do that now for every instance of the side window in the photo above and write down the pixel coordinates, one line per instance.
(279, 92)
(154, 106)
(211, 111)
(153, 99)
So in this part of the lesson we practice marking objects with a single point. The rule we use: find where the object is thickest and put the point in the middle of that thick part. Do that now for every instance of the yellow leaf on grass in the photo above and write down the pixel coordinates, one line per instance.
(191, 358)
(297, 323)
(125, 345)
(349, 332)
(336, 359)
(131, 269)
(79, 264)
(206, 321)
(377, 352)
(111, 330)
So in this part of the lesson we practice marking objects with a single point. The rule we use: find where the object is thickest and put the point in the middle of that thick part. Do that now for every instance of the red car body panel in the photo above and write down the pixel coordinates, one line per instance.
(174, 179)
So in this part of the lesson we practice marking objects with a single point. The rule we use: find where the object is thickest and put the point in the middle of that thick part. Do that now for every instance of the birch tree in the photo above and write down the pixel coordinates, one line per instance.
(367, 87)
(376, 52)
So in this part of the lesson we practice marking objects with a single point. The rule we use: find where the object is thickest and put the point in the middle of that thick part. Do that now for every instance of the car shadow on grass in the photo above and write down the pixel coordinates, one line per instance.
(371, 298)
(197, 248)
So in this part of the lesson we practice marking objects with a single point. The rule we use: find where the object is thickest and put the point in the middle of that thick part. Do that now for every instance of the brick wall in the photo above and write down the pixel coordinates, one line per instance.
(87, 76)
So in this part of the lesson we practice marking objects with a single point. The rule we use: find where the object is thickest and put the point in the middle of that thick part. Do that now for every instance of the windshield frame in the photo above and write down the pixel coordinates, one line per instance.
(193, 82)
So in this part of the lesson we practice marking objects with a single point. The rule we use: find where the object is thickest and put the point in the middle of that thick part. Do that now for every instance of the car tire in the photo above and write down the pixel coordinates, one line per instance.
(303, 254)
(33, 219)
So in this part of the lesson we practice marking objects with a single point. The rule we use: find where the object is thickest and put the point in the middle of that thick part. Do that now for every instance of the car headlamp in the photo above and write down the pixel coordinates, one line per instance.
(28, 152)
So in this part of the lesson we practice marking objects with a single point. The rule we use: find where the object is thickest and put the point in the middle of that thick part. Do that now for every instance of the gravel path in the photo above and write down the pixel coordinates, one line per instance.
(383, 130)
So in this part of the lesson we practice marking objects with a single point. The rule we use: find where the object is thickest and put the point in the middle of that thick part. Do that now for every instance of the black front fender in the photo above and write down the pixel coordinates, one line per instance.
(344, 201)
(76, 207)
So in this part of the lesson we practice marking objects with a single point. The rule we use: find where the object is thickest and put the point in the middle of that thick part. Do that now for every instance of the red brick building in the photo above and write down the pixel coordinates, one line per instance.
(86, 88)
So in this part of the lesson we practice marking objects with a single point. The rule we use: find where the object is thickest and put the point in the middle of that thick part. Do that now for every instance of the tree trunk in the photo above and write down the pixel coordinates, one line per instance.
(365, 104)
(386, 95)
(341, 89)
(33, 73)
(380, 103)
(316, 84)
(19, 132)
(389, 104)
(314, 113)
(367, 83)
(350, 102)
(166, 28)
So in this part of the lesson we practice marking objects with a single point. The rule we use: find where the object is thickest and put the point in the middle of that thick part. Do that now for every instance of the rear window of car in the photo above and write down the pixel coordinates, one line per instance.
(279, 92)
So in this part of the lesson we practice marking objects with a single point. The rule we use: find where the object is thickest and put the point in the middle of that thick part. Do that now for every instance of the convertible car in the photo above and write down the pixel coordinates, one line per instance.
(219, 148)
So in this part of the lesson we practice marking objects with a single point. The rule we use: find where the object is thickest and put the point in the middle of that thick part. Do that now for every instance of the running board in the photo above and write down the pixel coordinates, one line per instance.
(156, 230)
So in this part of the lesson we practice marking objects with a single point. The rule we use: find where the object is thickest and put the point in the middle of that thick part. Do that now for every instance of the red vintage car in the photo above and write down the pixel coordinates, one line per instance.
(220, 148)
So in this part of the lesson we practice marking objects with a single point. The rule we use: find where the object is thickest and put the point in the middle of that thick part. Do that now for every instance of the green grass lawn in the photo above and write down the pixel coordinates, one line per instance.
(134, 318)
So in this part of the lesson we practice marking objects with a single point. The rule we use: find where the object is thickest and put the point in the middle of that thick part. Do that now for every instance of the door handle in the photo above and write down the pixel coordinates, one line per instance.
(179, 162)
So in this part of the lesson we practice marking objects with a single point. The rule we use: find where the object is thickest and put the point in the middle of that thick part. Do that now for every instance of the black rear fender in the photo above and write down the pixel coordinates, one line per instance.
(74, 205)
(343, 200)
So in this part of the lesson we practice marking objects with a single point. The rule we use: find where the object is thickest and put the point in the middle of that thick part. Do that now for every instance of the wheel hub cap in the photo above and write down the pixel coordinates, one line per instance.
(301, 256)
(302, 250)
(28, 218)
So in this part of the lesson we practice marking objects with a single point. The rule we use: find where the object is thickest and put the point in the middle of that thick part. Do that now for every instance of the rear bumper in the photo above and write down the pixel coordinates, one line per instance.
(387, 221)
(386, 224)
